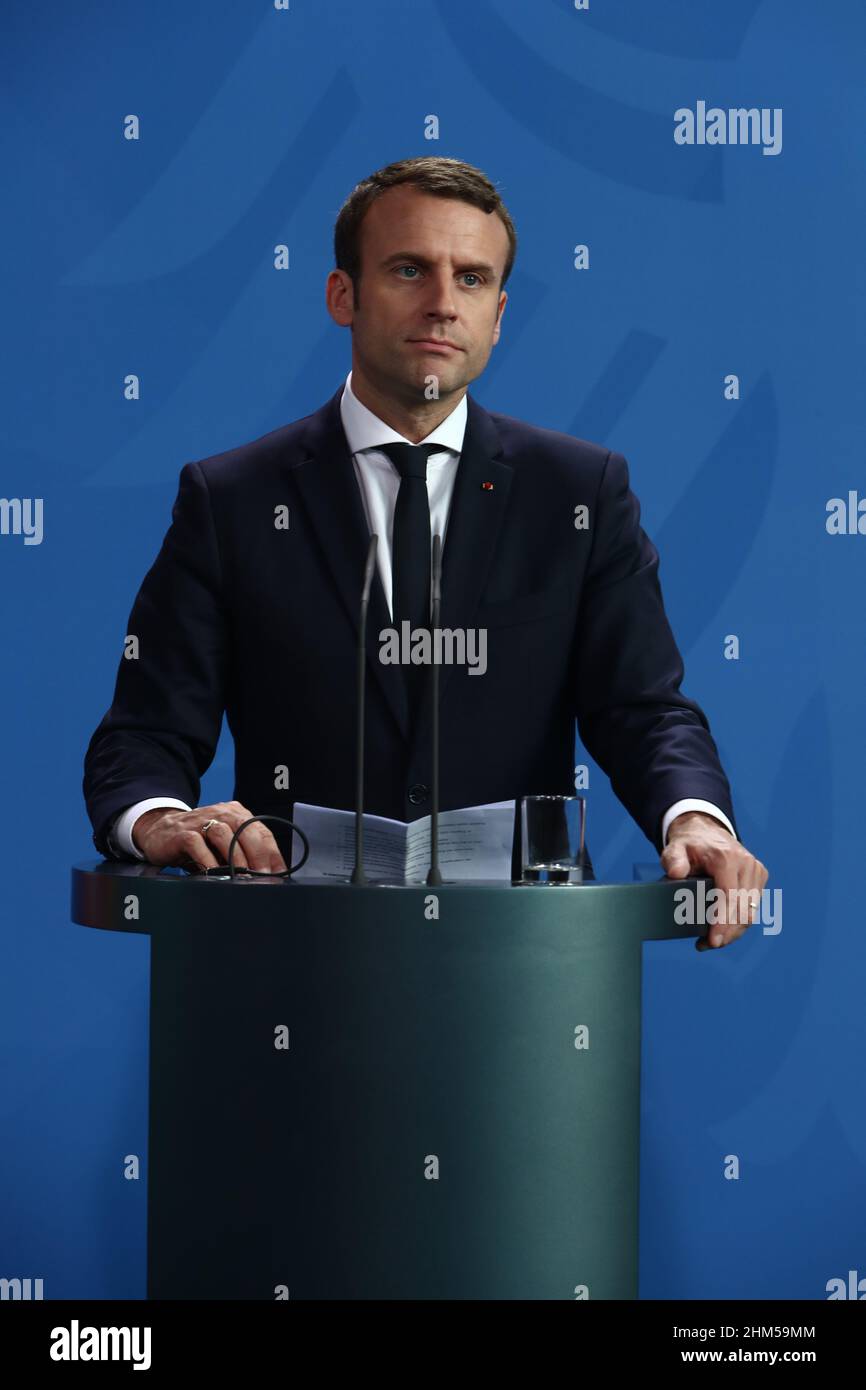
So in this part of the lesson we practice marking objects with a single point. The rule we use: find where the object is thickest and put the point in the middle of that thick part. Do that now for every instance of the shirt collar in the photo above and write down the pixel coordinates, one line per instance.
(364, 430)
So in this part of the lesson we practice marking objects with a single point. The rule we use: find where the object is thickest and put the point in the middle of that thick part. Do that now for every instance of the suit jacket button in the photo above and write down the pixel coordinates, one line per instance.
(418, 792)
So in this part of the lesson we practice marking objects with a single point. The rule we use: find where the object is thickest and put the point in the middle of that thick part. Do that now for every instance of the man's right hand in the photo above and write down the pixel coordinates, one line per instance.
(169, 836)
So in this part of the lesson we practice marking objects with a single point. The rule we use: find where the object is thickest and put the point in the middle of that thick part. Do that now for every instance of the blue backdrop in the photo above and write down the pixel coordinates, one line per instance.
(154, 257)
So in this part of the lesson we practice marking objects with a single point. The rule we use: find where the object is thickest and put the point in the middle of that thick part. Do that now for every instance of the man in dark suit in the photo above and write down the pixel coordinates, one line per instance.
(252, 603)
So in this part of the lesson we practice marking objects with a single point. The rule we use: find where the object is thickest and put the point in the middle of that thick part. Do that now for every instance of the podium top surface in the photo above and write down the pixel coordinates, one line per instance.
(101, 892)
(127, 870)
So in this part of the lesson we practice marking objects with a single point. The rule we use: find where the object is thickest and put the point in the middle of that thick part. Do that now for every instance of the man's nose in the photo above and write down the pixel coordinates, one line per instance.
(440, 296)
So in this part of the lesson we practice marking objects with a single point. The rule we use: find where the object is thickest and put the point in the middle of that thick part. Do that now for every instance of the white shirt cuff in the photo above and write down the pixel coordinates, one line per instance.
(120, 833)
(693, 804)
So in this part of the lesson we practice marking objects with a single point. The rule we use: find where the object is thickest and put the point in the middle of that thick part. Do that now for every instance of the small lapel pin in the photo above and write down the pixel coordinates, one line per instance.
(488, 487)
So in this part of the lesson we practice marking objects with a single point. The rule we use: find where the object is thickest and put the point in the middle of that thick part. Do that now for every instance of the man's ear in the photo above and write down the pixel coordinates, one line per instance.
(340, 297)
(503, 300)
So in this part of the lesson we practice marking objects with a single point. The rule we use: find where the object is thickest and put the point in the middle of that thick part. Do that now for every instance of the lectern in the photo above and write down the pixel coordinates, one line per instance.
(389, 1092)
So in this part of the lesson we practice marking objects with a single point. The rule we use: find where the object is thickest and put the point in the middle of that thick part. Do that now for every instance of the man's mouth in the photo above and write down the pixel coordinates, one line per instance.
(440, 345)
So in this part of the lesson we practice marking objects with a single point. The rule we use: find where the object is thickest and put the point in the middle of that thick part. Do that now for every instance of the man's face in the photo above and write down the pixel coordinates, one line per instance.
(430, 270)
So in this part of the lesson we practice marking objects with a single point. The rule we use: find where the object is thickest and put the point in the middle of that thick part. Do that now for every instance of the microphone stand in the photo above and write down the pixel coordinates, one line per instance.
(358, 875)
(434, 877)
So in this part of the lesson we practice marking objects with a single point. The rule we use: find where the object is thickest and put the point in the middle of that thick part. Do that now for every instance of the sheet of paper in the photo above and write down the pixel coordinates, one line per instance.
(474, 843)
(331, 834)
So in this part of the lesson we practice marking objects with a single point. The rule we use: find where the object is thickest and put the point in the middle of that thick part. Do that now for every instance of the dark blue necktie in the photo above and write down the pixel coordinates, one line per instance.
(410, 564)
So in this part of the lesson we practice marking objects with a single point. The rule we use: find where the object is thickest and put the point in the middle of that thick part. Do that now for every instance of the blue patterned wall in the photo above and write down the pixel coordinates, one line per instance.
(707, 261)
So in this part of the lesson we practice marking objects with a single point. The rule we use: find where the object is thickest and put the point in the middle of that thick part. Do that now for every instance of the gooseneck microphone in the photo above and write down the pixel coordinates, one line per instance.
(434, 876)
(358, 875)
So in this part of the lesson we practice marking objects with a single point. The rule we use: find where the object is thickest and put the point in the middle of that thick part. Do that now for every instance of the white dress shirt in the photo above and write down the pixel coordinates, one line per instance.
(379, 482)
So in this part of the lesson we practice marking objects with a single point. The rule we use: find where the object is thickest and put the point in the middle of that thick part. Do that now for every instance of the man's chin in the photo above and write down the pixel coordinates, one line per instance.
(422, 377)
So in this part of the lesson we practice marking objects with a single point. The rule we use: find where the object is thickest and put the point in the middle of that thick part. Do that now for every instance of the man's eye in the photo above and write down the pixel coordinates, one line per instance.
(469, 274)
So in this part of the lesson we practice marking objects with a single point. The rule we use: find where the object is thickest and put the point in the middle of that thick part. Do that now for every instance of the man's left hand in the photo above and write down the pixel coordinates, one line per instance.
(698, 843)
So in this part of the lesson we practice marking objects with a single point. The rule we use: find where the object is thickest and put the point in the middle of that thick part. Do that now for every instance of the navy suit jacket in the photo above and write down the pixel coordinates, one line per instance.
(236, 615)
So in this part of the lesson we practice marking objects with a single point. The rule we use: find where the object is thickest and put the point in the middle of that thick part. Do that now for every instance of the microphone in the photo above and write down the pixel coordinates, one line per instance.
(358, 875)
(434, 877)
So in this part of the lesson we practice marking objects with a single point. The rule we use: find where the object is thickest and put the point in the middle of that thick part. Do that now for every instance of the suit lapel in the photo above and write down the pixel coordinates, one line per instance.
(329, 491)
(474, 521)
(328, 488)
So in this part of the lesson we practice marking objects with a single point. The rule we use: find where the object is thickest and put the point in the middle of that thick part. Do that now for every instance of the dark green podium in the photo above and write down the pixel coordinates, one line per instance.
(389, 1092)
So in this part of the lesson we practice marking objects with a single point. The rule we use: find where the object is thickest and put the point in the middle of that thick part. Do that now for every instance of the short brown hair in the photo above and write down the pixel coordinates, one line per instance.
(436, 174)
